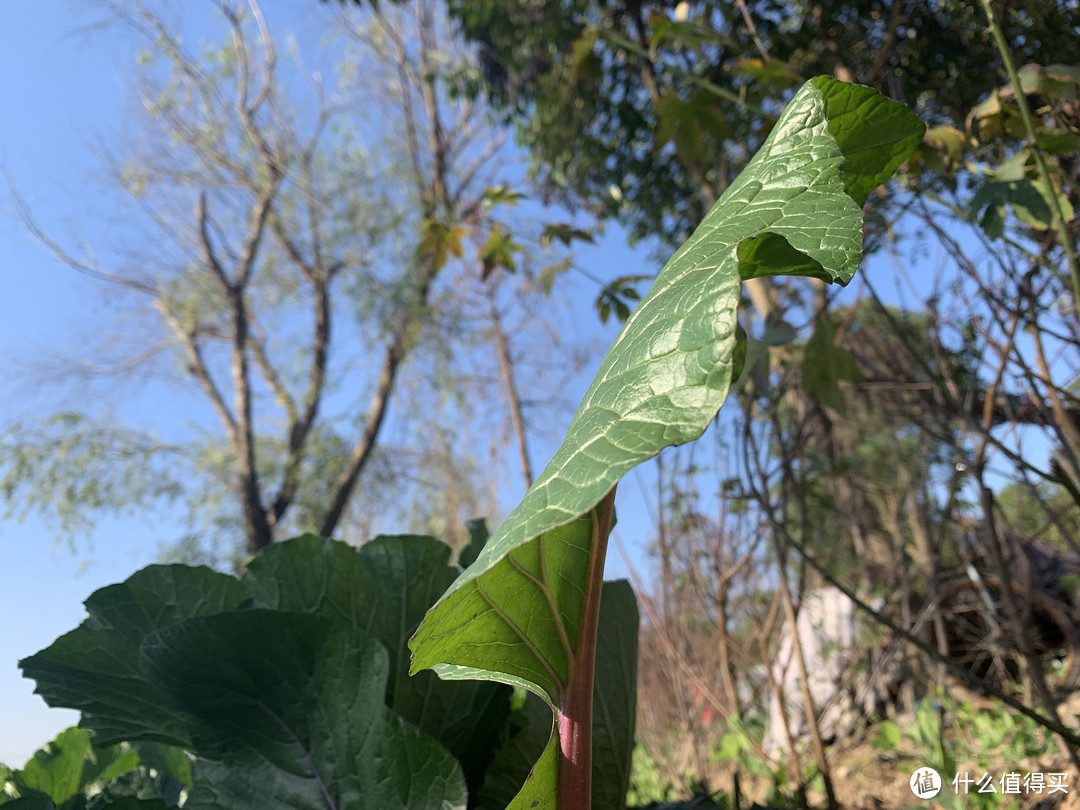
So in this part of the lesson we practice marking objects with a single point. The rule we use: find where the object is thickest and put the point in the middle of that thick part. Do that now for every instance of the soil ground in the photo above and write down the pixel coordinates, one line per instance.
(866, 778)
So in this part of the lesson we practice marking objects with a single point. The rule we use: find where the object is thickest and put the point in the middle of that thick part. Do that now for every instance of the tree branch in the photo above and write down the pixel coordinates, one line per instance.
(197, 368)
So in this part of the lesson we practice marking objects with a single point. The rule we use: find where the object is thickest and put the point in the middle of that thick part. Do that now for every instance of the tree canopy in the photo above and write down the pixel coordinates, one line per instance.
(648, 110)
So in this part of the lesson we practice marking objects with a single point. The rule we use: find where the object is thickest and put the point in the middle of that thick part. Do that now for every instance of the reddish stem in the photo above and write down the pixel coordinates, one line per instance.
(575, 709)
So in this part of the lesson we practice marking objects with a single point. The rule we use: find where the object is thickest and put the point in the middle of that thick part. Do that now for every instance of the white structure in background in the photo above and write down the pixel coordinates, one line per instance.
(833, 633)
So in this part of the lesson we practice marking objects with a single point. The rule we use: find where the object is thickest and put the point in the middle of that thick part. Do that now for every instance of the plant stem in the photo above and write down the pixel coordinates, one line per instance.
(575, 709)
(1040, 158)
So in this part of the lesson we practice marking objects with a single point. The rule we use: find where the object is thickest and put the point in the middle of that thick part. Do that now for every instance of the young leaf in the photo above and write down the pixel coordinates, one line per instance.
(498, 251)
(513, 615)
(521, 626)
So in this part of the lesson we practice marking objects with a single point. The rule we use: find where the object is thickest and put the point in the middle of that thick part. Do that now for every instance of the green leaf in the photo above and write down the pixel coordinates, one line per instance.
(774, 72)
(513, 615)
(617, 294)
(949, 139)
(685, 121)
(94, 668)
(384, 589)
(501, 194)
(875, 134)
(824, 365)
(498, 251)
(1060, 82)
(546, 279)
(69, 769)
(667, 373)
(289, 709)
(565, 233)
(614, 705)
(772, 255)
(519, 627)
(1029, 200)
(478, 537)
(439, 241)
(56, 769)
(614, 696)
(521, 753)
(1058, 141)
(887, 737)
(172, 765)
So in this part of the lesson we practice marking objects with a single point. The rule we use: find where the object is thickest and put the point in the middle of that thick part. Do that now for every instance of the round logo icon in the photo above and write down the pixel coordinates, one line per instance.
(925, 783)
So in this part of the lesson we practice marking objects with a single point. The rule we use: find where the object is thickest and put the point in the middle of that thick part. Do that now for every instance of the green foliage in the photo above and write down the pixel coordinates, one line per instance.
(71, 773)
(69, 464)
(736, 747)
(565, 233)
(290, 685)
(945, 734)
(439, 242)
(295, 701)
(825, 364)
(1031, 176)
(646, 784)
(1045, 511)
(619, 295)
(1015, 184)
(498, 251)
(591, 122)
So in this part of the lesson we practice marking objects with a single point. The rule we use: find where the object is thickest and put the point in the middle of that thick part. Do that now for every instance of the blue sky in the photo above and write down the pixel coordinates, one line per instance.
(64, 91)
(59, 91)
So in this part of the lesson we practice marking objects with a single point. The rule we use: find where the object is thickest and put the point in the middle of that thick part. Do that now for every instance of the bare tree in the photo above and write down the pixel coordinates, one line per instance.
(287, 262)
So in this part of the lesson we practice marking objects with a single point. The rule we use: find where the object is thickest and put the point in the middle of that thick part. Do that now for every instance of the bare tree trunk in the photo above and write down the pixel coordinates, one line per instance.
(361, 451)
(436, 202)
(506, 366)
(804, 682)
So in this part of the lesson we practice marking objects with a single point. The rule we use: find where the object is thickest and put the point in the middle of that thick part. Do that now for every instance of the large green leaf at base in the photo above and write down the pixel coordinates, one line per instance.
(94, 668)
(384, 588)
(289, 709)
(379, 593)
(513, 614)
